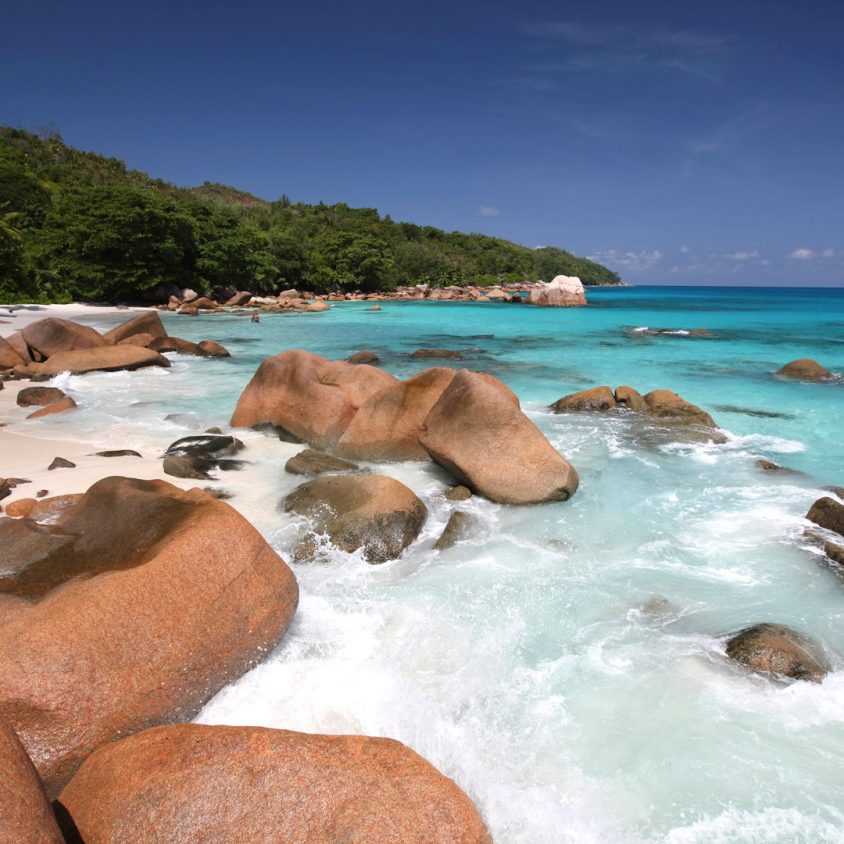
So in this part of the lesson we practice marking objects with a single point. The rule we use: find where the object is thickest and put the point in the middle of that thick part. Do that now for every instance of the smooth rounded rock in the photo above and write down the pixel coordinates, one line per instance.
(190, 783)
(148, 323)
(596, 398)
(778, 651)
(52, 335)
(805, 369)
(313, 462)
(104, 359)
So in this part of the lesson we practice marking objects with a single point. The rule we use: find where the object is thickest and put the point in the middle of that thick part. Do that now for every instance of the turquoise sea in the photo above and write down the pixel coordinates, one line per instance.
(536, 662)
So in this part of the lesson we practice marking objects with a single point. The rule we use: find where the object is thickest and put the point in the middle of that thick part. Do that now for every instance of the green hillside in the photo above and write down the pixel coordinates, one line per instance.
(80, 226)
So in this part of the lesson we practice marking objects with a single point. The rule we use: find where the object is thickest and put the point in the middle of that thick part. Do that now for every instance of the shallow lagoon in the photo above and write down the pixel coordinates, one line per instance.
(525, 662)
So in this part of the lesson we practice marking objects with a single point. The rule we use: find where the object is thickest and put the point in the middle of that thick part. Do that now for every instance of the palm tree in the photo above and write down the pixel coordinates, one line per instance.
(7, 220)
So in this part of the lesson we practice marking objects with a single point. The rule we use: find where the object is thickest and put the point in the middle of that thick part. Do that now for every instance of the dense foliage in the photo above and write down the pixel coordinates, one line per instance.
(79, 226)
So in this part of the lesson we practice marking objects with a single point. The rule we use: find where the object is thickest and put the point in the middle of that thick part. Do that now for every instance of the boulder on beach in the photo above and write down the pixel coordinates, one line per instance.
(131, 608)
(192, 782)
(371, 512)
(827, 513)
(59, 406)
(805, 369)
(307, 396)
(38, 396)
(313, 462)
(242, 297)
(104, 359)
(26, 816)
(561, 292)
(596, 398)
(196, 456)
(148, 323)
(9, 358)
(386, 426)
(52, 335)
(477, 432)
(778, 651)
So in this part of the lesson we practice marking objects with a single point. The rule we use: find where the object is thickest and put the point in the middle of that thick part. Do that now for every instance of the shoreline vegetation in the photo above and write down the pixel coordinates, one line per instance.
(78, 226)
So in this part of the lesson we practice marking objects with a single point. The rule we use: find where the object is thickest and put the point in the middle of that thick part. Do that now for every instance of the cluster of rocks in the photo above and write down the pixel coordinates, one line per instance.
(50, 346)
(662, 406)
(122, 611)
(468, 422)
(562, 291)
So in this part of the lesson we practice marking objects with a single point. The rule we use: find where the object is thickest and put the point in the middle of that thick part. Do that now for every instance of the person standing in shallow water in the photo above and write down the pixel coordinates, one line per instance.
(256, 317)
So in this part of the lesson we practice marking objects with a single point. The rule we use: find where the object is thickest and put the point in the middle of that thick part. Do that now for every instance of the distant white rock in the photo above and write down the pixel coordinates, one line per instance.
(562, 292)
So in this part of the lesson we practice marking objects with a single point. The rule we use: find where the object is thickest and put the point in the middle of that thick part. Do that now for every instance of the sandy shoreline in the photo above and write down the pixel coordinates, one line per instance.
(27, 455)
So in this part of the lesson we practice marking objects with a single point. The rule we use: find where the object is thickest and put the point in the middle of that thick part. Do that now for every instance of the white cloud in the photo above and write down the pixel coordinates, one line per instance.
(488, 211)
(744, 256)
(802, 254)
(827, 253)
(684, 249)
(631, 261)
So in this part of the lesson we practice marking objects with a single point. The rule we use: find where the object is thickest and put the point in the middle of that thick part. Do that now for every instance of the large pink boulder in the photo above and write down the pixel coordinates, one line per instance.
(8, 356)
(563, 291)
(387, 425)
(478, 433)
(129, 608)
(105, 359)
(148, 322)
(307, 396)
(189, 782)
(26, 816)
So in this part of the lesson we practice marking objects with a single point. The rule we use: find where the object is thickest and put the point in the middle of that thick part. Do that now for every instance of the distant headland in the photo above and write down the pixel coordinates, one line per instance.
(78, 226)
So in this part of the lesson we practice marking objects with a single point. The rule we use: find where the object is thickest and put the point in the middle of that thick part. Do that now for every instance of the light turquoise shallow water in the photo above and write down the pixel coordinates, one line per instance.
(520, 662)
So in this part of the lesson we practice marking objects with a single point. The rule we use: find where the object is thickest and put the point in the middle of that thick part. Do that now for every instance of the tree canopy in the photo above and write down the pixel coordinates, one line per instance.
(80, 226)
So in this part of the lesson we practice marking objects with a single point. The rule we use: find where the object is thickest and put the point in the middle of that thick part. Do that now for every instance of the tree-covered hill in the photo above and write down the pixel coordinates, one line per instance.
(80, 226)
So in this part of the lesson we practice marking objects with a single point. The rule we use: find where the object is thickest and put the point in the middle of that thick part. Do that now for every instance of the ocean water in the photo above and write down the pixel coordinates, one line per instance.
(536, 662)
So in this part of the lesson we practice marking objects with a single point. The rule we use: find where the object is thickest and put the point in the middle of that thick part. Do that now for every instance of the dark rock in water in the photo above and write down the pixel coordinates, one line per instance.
(188, 466)
(39, 396)
(25, 812)
(458, 523)
(313, 462)
(134, 567)
(120, 452)
(186, 420)
(372, 512)
(423, 354)
(8, 484)
(206, 445)
(214, 430)
(834, 552)
(219, 494)
(778, 651)
(42, 493)
(212, 349)
(805, 369)
(752, 411)
(769, 466)
(598, 399)
(229, 465)
(458, 493)
(364, 357)
(827, 513)
(61, 463)
(658, 607)
(836, 490)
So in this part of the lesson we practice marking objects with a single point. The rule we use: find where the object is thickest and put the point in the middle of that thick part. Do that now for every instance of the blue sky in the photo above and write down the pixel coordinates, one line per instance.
(678, 142)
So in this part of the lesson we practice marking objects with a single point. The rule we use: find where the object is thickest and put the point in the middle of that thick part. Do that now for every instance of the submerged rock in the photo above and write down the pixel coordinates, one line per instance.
(770, 466)
(132, 608)
(373, 512)
(363, 357)
(313, 462)
(778, 651)
(805, 369)
(458, 493)
(192, 782)
(477, 432)
(26, 816)
(437, 354)
(455, 530)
